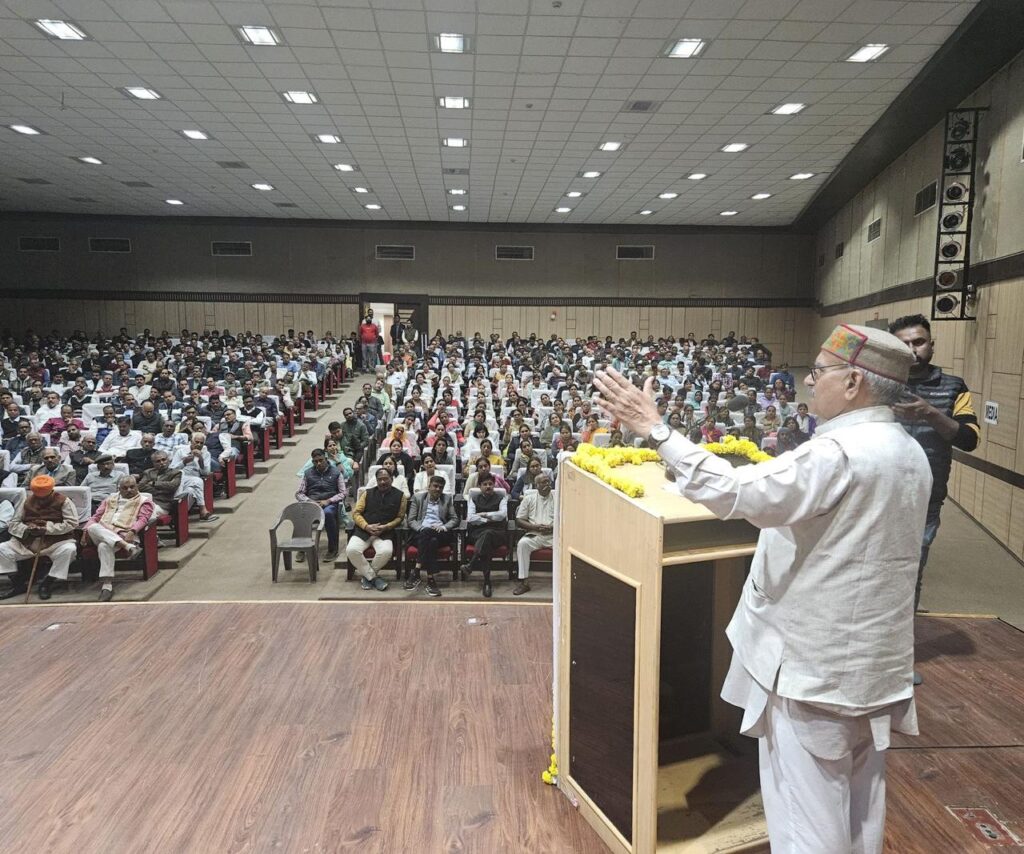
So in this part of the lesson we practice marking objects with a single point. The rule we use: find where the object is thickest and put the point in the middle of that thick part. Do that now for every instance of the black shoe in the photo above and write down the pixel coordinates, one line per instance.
(412, 582)
(522, 587)
(300, 557)
(331, 555)
(19, 588)
(45, 588)
(466, 570)
(432, 588)
(487, 590)
(106, 595)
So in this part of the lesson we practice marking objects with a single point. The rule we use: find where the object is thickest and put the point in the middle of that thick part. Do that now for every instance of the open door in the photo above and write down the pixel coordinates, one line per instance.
(402, 318)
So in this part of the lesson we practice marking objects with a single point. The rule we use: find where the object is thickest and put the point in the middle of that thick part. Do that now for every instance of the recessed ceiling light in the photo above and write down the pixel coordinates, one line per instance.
(788, 109)
(590, 174)
(257, 35)
(610, 146)
(573, 194)
(372, 207)
(645, 212)
(734, 147)
(28, 130)
(142, 93)
(456, 191)
(345, 167)
(451, 43)
(685, 48)
(562, 210)
(195, 134)
(667, 195)
(92, 161)
(174, 201)
(801, 176)
(458, 207)
(759, 196)
(728, 213)
(263, 187)
(300, 96)
(454, 102)
(360, 190)
(61, 30)
(455, 142)
(696, 176)
(327, 138)
(868, 53)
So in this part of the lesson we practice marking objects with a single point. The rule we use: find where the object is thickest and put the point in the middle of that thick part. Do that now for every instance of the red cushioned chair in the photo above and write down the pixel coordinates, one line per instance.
(371, 553)
(147, 561)
(177, 519)
(501, 552)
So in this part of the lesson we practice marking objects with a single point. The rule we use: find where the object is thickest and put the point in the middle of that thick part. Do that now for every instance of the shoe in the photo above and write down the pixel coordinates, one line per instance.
(488, 590)
(918, 678)
(300, 557)
(164, 543)
(106, 595)
(465, 571)
(366, 584)
(45, 588)
(432, 588)
(412, 582)
(522, 587)
(331, 555)
(17, 589)
(380, 584)
(213, 517)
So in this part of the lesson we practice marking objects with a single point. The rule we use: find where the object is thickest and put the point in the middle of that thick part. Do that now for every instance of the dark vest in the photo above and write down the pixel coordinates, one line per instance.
(321, 486)
(381, 509)
(488, 504)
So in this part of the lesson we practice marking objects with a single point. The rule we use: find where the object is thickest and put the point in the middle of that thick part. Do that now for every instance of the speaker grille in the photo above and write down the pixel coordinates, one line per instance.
(236, 248)
(39, 244)
(513, 253)
(110, 244)
(395, 252)
(634, 253)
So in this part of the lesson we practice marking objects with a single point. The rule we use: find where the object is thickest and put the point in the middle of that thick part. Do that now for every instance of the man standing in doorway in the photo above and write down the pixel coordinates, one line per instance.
(368, 334)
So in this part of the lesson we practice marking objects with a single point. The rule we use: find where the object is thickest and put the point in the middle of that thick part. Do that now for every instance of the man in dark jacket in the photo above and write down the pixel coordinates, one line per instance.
(161, 481)
(379, 510)
(487, 525)
(432, 517)
(324, 484)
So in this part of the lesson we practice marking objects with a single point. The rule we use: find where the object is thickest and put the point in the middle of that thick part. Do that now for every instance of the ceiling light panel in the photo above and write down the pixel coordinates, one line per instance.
(685, 48)
(668, 195)
(372, 207)
(759, 196)
(174, 202)
(562, 210)
(451, 43)
(610, 146)
(589, 174)
(258, 35)
(696, 176)
(453, 102)
(327, 138)
(458, 207)
(728, 213)
(263, 187)
(300, 97)
(789, 109)
(346, 167)
(735, 147)
(455, 142)
(63, 30)
(92, 161)
(868, 53)
(26, 130)
(456, 191)
(143, 93)
(801, 176)
(195, 134)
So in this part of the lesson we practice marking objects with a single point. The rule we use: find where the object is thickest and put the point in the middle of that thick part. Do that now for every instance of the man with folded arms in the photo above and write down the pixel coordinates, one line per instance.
(536, 516)
(44, 524)
(380, 509)
(487, 527)
(116, 526)
(823, 635)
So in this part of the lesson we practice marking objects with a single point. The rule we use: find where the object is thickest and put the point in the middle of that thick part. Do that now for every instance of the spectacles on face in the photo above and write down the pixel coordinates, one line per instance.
(817, 370)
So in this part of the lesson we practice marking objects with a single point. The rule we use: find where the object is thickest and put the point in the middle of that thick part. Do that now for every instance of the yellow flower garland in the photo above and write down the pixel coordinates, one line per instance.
(601, 461)
(730, 446)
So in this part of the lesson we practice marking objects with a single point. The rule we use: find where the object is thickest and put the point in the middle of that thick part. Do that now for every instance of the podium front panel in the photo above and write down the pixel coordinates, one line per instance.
(602, 655)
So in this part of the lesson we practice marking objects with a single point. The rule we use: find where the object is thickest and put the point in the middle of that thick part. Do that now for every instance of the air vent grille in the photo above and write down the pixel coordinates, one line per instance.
(137, 184)
(232, 164)
(640, 107)
(451, 170)
(83, 199)
(513, 253)
(840, 249)
(395, 252)
(110, 244)
(634, 253)
(33, 181)
(39, 244)
(285, 205)
(235, 248)
(875, 230)
(925, 198)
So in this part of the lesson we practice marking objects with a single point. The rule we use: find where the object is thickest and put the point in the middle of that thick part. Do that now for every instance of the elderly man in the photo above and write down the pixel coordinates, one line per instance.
(195, 464)
(380, 509)
(119, 442)
(536, 516)
(103, 481)
(139, 459)
(432, 518)
(29, 457)
(161, 482)
(823, 634)
(169, 439)
(52, 466)
(324, 484)
(116, 525)
(44, 524)
(85, 456)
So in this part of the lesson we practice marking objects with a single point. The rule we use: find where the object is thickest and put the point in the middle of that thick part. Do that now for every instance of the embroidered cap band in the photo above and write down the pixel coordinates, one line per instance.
(872, 349)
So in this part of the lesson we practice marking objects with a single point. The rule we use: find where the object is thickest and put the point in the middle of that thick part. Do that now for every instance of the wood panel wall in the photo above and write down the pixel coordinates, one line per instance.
(989, 355)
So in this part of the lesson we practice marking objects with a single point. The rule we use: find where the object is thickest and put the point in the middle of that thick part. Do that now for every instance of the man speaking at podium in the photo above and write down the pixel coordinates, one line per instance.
(823, 634)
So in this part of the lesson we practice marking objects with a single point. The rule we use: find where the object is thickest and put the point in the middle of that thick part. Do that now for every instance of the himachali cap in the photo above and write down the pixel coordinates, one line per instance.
(872, 349)
(42, 485)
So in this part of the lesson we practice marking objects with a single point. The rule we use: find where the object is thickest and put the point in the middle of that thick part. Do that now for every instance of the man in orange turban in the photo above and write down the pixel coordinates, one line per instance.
(43, 524)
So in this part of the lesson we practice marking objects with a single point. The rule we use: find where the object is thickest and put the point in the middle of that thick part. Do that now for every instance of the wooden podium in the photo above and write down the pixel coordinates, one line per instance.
(645, 747)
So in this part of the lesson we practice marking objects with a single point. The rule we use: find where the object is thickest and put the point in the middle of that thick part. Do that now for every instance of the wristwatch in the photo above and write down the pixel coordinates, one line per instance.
(659, 434)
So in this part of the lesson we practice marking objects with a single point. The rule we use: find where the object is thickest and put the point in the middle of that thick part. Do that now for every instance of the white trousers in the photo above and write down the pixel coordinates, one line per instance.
(382, 547)
(527, 545)
(106, 542)
(815, 805)
(61, 554)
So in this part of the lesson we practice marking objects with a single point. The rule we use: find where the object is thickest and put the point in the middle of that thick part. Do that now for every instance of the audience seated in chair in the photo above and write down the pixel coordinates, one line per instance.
(117, 525)
(486, 526)
(536, 516)
(432, 518)
(379, 510)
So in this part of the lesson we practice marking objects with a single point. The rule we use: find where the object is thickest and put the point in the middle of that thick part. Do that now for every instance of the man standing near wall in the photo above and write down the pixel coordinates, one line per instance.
(939, 415)
(368, 334)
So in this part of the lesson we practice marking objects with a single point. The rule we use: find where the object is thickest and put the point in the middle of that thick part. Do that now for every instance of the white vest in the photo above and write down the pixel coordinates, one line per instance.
(826, 614)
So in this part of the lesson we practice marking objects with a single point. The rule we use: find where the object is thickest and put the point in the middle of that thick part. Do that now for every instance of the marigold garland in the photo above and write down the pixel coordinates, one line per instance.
(730, 446)
(601, 461)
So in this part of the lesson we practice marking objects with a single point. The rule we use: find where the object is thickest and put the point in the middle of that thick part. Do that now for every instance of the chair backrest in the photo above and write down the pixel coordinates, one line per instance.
(474, 493)
(92, 410)
(601, 440)
(304, 516)
(371, 473)
(81, 497)
(14, 495)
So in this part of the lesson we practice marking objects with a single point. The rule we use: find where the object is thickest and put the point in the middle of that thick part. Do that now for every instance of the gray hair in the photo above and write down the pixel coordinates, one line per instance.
(884, 391)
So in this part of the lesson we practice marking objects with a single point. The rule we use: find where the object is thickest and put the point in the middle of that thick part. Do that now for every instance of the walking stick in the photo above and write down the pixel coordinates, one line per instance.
(32, 577)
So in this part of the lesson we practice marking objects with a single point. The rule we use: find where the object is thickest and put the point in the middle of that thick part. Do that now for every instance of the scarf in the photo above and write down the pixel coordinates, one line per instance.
(121, 513)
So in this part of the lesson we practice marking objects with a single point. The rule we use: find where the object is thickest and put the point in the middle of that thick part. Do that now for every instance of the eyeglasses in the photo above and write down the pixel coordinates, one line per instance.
(817, 370)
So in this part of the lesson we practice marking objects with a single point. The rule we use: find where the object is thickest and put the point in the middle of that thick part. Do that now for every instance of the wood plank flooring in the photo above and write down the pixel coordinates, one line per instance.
(390, 728)
(280, 727)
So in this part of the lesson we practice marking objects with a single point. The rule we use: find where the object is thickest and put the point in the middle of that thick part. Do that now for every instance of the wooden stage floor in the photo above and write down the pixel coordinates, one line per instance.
(393, 728)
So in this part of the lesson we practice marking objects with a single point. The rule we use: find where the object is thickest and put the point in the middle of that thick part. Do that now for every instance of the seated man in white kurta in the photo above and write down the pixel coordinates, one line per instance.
(118, 524)
(823, 642)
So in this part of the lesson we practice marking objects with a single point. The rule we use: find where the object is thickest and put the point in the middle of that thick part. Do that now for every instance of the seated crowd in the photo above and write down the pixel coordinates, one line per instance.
(451, 453)
(141, 431)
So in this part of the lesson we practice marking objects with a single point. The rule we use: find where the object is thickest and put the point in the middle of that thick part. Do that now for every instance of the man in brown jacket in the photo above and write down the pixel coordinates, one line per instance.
(162, 482)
